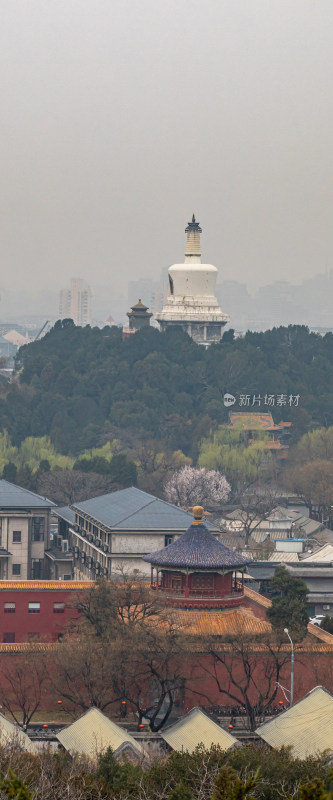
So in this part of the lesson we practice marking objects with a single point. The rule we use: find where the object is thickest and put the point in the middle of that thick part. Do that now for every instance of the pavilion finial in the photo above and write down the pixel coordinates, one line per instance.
(197, 513)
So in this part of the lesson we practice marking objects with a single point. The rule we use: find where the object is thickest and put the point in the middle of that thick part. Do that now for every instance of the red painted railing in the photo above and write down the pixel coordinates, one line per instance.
(207, 593)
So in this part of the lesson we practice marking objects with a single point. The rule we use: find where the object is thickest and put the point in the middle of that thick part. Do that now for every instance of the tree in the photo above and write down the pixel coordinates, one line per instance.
(124, 647)
(23, 683)
(316, 445)
(155, 466)
(289, 605)
(255, 503)
(229, 786)
(10, 472)
(247, 669)
(66, 486)
(327, 624)
(314, 483)
(190, 486)
(232, 452)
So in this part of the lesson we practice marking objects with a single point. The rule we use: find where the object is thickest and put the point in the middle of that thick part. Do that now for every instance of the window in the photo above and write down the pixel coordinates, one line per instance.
(38, 529)
(67, 577)
(17, 537)
(37, 566)
(16, 569)
(9, 608)
(34, 608)
(33, 637)
(167, 540)
(58, 608)
(9, 637)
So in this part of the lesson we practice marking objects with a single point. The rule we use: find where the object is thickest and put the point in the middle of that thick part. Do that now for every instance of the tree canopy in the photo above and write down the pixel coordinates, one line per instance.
(289, 604)
(80, 385)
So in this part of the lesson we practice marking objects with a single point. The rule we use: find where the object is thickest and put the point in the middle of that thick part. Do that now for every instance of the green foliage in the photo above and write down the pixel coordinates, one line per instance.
(228, 786)
(327, 624)
(181, 792)
(230, 452)
(120, 469)
(75, 382)
(289, 605)
(15, 788)
(118, 776)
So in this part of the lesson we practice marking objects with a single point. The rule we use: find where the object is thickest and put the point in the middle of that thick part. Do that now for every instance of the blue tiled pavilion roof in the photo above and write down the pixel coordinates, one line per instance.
(197, 548)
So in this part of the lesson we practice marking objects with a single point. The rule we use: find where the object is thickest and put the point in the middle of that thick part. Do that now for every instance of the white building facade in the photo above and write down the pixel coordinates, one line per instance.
(191, 302)
(75, 303)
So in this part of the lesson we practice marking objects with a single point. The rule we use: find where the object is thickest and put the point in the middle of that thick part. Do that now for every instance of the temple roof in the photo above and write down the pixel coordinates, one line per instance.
(197, 548)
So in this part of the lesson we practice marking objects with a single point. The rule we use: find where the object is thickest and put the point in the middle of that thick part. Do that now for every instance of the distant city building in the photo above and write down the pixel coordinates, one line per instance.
(75, 303)
(138, 318)
(191, 302)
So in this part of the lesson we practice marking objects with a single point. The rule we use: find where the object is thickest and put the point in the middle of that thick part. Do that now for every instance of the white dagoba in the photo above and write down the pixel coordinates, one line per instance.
(192, 303)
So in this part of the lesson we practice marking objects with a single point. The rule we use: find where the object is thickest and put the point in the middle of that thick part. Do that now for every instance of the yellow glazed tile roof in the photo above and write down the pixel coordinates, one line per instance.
(221, 623)
(257, 598)
(194, 729)
(307, 726)
(42, 585)
(93, 733)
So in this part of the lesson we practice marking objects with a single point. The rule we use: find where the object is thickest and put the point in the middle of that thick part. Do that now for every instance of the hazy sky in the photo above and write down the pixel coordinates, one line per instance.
(119, 118)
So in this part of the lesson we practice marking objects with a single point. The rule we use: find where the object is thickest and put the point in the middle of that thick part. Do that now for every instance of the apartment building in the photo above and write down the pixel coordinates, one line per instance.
(24, 533)
(75, 302)
(115, 530)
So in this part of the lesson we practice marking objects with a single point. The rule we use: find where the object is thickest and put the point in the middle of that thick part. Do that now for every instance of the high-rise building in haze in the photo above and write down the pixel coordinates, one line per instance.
(191, 302)
(75, 303)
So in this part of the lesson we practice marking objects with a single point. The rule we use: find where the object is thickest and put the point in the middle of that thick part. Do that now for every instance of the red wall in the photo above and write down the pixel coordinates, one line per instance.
(47, 623)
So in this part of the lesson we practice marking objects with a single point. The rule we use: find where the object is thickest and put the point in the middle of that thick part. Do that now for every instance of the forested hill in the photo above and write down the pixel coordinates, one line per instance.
(79, 384)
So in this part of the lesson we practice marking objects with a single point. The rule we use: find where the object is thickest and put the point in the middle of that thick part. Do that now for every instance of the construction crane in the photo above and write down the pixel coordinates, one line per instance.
(41, 330)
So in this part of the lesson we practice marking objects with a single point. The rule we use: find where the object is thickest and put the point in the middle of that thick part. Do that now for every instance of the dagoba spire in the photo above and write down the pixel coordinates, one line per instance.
(193, 247)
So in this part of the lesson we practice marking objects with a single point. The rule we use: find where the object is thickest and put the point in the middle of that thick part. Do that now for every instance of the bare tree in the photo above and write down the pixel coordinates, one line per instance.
(66, 486)
(23, 681)
(247, 670)
(124, 647)
(255, 504)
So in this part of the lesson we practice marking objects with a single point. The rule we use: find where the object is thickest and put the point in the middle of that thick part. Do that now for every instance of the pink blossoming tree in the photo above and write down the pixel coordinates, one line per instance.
(191, 486)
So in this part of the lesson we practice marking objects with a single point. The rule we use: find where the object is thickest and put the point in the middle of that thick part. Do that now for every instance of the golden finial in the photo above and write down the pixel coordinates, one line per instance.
(197, 512)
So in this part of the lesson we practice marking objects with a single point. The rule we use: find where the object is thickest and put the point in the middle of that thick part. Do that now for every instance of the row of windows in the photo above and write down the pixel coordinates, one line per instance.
(37, 568)
(33, 608)
(9, 637)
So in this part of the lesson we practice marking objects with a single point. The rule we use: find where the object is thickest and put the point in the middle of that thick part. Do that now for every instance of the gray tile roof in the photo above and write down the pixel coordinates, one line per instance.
(197, 548)
(134, 510)
(12, 496)
(66, 513)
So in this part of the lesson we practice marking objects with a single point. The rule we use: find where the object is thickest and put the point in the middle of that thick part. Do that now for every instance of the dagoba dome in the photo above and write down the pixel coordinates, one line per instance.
(192, 302)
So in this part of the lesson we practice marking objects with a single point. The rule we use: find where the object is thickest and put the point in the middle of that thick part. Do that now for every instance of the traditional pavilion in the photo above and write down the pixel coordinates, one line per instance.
(138, 317)
(198, 571)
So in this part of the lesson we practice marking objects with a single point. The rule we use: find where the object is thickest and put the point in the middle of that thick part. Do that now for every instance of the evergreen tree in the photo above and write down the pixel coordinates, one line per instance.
(289, 605)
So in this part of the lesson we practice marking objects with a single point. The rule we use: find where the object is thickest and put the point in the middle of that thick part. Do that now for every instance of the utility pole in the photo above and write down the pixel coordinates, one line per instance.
(291, 668)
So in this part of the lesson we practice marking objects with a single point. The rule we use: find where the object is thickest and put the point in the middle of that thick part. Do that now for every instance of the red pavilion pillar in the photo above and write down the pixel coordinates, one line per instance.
(186, 584)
